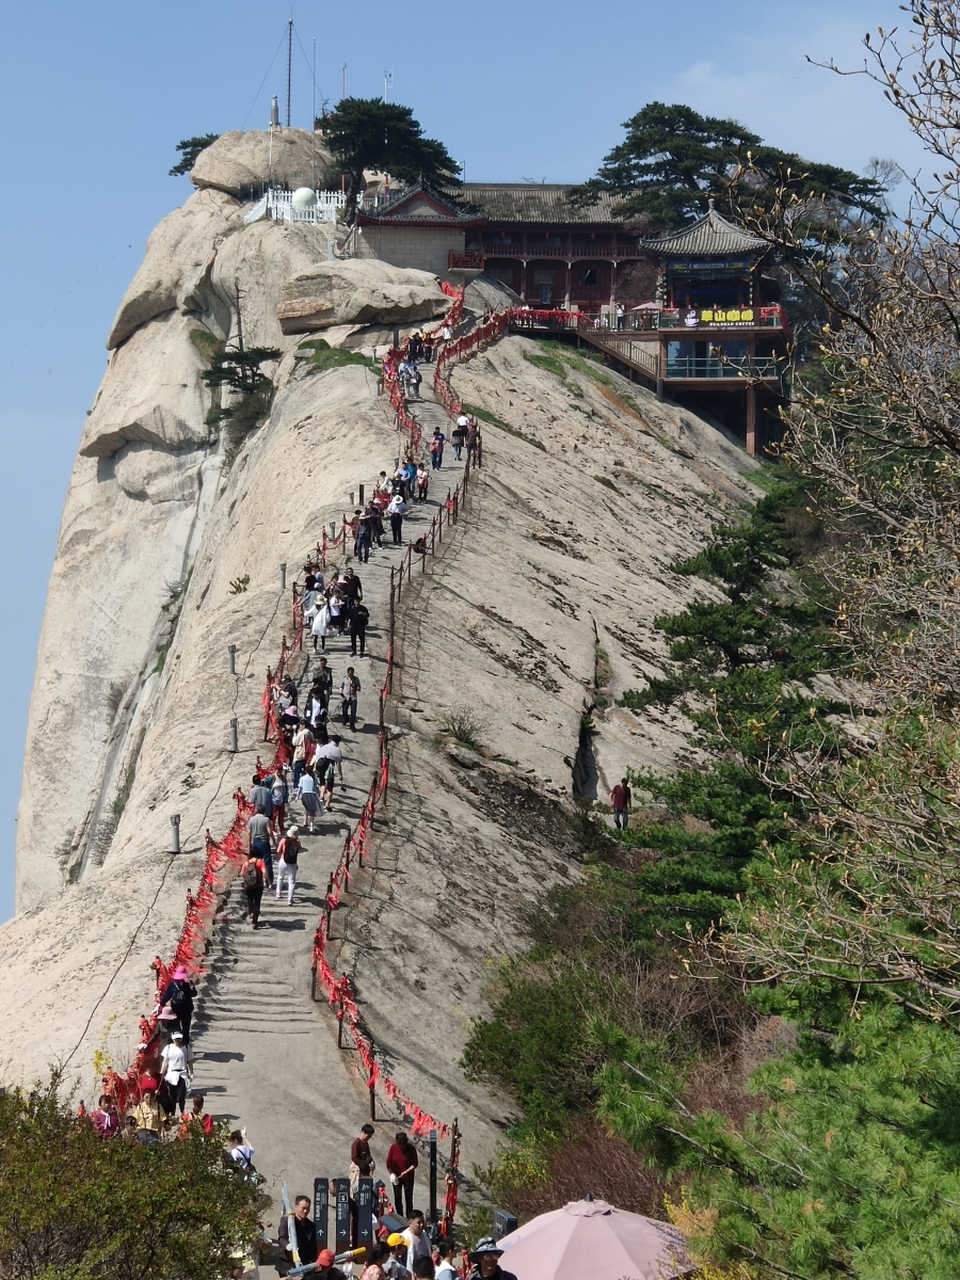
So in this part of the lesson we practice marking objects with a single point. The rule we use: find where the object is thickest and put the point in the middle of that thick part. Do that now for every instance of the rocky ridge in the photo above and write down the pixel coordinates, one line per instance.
(588, 492)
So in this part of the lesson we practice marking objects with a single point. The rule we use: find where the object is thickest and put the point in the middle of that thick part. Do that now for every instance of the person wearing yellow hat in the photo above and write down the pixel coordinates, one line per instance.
(394, 1267)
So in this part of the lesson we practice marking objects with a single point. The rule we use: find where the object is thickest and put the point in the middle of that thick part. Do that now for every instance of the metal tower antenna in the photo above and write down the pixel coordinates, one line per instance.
(387, 84)
(289, 64)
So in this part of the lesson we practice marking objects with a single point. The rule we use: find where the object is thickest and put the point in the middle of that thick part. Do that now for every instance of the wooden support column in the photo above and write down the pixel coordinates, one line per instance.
(566, 288)
(751, 434)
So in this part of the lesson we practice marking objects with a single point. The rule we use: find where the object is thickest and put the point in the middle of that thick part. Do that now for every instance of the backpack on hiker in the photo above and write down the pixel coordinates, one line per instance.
(289, 850)
(180, 998)
(252, 876)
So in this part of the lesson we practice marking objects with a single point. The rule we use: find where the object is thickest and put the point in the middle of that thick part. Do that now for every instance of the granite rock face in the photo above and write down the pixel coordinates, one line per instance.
(178, 251)
(589, 491)
(358, 291)
(240, 161)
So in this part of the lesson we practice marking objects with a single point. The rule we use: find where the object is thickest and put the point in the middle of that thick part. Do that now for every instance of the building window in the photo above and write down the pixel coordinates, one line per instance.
(542, 275)
(591, 275)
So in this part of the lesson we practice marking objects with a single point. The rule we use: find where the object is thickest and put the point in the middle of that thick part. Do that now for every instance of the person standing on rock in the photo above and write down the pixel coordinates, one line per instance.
(423, 483)
(260, 796)
(252, 877)
(288, 855)
(437, 441)
(300, 749)
(447, 1253)
(365, 529)
(196, 1115)
(105, 1117)
(180, 994)
(321, 627)
(306, 1237)
(620, 798)
(357, 626)
(361, 1166)
(279, 795)
(473, 436)
(361, 1161)
(402, 1164)
(307, 795)
(146, 1114)
(459, 435)
(173, 1089)
(329, 766)
(417, 1241)
(396, 510)
(258, 831)
(349, 688)
(484, 1260)
(324, 678)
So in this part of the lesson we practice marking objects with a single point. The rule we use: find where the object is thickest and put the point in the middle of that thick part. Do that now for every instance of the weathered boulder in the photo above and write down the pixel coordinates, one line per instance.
(358, 291)
(259, 259)
(177, 251)
(240, 161)
(152, 394)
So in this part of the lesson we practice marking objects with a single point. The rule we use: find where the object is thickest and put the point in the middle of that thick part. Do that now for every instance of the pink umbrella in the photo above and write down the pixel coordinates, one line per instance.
(592, 1238)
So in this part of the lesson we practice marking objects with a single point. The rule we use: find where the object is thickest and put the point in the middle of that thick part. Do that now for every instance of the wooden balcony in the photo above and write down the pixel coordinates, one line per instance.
(533, 251)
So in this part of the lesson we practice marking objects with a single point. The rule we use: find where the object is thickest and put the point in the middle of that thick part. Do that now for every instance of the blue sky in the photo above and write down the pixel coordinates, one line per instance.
(95, 97)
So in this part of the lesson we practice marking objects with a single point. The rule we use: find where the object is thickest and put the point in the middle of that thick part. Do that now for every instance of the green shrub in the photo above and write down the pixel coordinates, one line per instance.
(76, 1207)
(464, 725)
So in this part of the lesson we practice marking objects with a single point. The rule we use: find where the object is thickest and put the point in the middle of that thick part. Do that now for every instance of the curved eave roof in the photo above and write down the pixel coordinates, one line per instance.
(711, 237)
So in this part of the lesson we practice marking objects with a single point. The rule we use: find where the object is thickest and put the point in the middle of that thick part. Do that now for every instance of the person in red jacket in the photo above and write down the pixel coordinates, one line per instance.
(402, 1165)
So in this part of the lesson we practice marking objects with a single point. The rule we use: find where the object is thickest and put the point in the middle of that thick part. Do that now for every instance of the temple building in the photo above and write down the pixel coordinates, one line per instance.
(714, 336)
(550, 252)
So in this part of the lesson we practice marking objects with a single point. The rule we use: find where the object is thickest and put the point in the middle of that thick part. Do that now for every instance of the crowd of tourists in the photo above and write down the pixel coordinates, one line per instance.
(413, 1252)
(289, 802)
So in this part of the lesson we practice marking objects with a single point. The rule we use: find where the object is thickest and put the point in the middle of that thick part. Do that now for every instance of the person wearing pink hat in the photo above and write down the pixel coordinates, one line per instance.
(179, 994)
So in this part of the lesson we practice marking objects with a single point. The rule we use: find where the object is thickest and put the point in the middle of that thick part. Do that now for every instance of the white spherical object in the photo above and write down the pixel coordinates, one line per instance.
(304, 198)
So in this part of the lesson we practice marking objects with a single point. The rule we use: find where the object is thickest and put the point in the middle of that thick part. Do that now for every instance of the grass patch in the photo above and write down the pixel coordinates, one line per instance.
(322, 356)
(547, 360)
(464, 725)
(766, 478)
(242, 420)
(608, 484)
(206, 344)
(486, 416)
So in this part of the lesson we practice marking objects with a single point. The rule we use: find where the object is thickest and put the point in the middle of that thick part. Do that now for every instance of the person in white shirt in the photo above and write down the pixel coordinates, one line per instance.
(396, 510)
(173, 1089)
(329, 763)
(447, 1255)
(417, 1240)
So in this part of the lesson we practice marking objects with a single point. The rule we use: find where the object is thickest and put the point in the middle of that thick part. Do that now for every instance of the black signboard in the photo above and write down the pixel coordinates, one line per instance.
(434, 1216)
(365, 1212)
(321, 1209)
(341, 1188)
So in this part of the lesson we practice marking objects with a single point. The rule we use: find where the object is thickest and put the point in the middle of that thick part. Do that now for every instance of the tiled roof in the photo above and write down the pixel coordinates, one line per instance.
(536, 202)
(711, 237)
(420, 206)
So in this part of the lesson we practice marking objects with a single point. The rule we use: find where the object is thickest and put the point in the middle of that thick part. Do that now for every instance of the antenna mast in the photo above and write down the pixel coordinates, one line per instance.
(289, 64)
